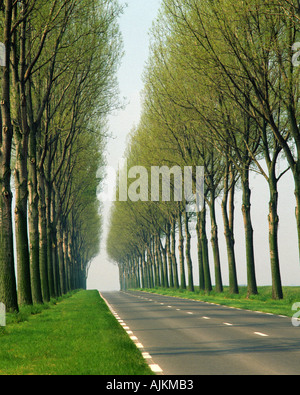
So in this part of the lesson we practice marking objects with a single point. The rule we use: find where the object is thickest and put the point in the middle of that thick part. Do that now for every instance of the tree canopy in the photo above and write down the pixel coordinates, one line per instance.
(57, 87)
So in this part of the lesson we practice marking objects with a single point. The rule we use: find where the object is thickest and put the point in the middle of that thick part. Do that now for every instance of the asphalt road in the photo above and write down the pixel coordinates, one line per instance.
(186, 337)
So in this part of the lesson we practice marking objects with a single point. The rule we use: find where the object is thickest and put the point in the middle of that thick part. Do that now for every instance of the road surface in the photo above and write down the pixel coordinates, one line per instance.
(186, 337)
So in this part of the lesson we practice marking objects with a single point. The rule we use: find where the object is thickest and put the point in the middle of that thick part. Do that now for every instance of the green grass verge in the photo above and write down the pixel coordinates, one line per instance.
(77, 335)
(261, 302)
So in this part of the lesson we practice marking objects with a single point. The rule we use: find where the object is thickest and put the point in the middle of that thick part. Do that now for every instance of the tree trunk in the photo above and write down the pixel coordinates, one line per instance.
(138, 272)
(21, 220)
(52, 243)
(49, 228)
(165, 263)
(173, 254)
(157, 262)
(8, 292)
(61, 265)
(200, 254)
(50, 261)
(188, 254)
(204, 243)
(43, 238)
(143, 283)
(146, 273)
(160, 262)
(215, 245)
(66, 260)
(169, 255)
(21, 171)
(121, 277)
(152, 268)
(273, 218)
(181, 255)
(228, 231)
(33, 222)
(152, 274)
(246, 209)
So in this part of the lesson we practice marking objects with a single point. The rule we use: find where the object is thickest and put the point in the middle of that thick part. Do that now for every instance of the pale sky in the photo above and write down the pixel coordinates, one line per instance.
(135, 24)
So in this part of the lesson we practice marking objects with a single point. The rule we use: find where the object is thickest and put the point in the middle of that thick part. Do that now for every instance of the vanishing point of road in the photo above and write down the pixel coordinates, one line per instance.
(185, 337)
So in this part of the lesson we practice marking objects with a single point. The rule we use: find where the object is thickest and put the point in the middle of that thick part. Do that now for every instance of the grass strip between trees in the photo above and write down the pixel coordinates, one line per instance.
(77, 335)
(261, 302)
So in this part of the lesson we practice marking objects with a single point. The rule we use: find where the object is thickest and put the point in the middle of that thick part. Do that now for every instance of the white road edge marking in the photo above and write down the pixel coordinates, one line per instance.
(154, 367)
(146, 355)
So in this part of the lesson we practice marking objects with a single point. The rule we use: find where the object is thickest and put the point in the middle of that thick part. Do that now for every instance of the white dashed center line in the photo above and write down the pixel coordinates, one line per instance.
(261, 334)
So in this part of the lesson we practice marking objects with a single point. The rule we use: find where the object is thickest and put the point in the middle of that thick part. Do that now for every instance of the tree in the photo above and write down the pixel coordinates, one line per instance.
(8, 294)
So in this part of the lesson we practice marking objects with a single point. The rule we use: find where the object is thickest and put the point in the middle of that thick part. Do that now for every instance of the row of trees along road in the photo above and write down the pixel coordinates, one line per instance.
(221, 91)
(57, 86)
